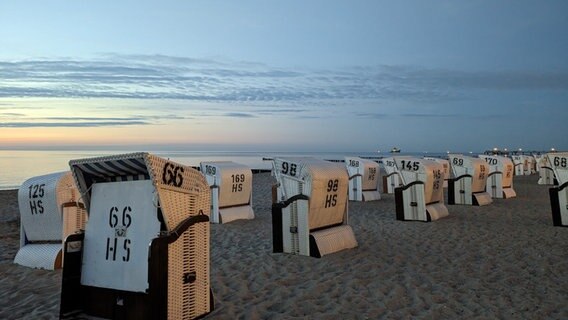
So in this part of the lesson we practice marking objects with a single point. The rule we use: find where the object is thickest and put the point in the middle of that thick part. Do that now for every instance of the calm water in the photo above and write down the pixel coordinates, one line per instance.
(16, 166)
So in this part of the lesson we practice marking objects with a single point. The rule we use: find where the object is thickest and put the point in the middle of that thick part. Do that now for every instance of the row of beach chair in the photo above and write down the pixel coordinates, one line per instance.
(132, 231)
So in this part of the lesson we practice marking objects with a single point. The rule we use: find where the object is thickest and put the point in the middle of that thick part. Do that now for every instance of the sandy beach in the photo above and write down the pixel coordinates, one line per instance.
(505, 261)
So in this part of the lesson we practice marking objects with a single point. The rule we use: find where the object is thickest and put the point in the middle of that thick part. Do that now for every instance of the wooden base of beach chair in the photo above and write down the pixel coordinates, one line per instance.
(509, 193)
(331, 240)
(227, 215)
(371, 195)
(42, 256)
(481, 199)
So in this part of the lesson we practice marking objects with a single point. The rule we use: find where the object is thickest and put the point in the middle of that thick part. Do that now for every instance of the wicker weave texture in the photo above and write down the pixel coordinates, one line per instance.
(335, 239)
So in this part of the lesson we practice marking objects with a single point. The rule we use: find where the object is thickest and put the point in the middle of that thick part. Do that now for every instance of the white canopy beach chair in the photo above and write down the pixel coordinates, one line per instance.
(500, 178)
(469, 180)
(309, 212)
(364, 177)
(559, 194)
(422, 195)
(50, 210)
(392, 178)
(231, 190)
(446, 165)
(531, 165)
(145, 250)
(545, 171)
(521, 164)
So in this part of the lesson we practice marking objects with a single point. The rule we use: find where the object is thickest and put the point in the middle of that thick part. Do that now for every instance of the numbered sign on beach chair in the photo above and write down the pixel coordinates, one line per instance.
(50, 210)
(309, 213)
(446, 165)
(521, 164)
(545, 171)
(145, 250)
(422, 195)
(469, 180)
(392, 178)
(364, 177)
(500, 179)
(231, 190)
(559, 194)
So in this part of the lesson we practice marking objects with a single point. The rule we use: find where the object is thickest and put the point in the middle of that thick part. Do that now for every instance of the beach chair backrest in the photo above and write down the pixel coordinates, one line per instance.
(477, 168)
(41, 201)
(233, 180)
(325, 183)
(558, 161)
(428, 172)
(368, 169)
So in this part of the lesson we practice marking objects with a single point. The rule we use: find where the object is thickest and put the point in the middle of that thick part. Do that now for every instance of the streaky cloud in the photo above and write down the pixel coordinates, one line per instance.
(70, 124)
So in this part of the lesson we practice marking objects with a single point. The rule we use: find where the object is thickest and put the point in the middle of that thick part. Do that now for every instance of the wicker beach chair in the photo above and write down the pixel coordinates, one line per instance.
(392, 178)
(364, 177)
(545, 172)
(469, 180)
(309, 210)
(231, 190)
(145, 250)
(559, 194)
(50, 210)
(521, 163)
(421, 197)
(446, 166)
(500, 179)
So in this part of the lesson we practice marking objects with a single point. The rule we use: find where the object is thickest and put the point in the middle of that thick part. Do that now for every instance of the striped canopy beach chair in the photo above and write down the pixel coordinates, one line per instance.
(50, 210)
(309, 210)
(145, 250)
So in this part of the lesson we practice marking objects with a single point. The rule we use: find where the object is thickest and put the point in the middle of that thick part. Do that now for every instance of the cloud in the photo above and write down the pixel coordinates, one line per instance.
(165, 77)
(239, 115)
(70, 124)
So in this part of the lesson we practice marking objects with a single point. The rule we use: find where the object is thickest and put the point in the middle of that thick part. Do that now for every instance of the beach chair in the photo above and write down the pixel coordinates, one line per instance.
(531, 165)
(392, 178)
(50, 210)
(559, 194)
(309, 210)
(521, 164)
(446, 165)
(500, 179)
(421, 197)
(364, 177)
(145, 250)
(545, 172)
(469, 180)
(231, 190)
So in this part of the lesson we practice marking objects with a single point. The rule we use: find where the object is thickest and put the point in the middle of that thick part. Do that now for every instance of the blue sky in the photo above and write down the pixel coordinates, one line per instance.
(287, 75)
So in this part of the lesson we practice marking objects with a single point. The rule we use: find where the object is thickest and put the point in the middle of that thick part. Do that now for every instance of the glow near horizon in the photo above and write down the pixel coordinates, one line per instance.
(329, 75)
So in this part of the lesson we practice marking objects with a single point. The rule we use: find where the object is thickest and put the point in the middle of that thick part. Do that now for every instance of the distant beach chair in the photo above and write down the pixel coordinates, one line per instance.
(521, 163)
(145, 250)
(422, 195)
(50, 210)
(446, 165)
(545, 171)
(309, 210)
(469, 180)
(531, 165)
(500, 179)
(364, 177)
(559, 194)
(392, 178)
(231, 190)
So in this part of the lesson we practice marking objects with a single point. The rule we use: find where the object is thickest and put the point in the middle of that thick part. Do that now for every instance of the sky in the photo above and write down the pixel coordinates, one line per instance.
(284, 75)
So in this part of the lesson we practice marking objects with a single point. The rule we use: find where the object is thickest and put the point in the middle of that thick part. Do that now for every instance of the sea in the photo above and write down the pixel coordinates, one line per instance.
(16, 166)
